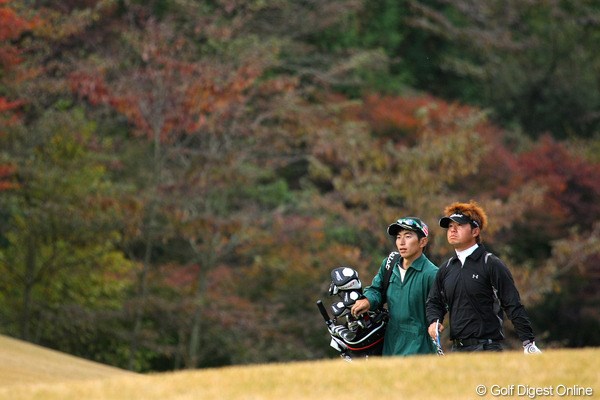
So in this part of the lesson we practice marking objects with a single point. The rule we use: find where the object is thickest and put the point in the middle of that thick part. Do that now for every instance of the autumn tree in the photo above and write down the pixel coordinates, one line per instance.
(184, 110)
(570, 186)
(567, 290)
(12, 26)
(59, 228)
(60, 221)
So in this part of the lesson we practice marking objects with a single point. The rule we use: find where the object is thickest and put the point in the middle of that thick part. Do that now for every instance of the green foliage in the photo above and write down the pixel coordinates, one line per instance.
(270, 195)
(533, 66)
(567, 309)
(60, 226)
(376, 26)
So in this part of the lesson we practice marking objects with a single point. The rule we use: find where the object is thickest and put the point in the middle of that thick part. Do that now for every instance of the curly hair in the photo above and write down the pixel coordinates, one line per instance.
(471, 209)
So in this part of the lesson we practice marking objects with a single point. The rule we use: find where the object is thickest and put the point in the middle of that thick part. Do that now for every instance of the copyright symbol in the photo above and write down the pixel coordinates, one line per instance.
(481, 390)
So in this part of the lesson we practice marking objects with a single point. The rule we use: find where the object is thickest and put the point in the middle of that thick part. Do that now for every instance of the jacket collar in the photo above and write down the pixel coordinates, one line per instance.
(418, 264)
(479, 251)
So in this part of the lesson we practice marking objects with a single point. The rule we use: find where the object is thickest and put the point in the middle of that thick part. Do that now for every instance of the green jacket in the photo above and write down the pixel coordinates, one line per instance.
(406, 332)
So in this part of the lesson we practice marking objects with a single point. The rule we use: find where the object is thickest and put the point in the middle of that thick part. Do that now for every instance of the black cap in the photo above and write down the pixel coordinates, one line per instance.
(459, 219)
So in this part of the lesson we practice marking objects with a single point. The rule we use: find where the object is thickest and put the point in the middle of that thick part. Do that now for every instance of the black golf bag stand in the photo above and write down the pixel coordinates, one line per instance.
(353, 337)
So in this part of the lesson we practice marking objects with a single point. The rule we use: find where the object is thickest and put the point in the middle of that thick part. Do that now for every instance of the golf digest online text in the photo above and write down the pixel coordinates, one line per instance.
(533, 392)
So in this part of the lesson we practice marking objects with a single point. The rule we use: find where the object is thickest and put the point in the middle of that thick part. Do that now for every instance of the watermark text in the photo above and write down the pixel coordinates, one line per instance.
(534, 392)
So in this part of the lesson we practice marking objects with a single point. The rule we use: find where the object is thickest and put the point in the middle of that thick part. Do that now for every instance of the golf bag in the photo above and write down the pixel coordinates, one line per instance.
(353, 337)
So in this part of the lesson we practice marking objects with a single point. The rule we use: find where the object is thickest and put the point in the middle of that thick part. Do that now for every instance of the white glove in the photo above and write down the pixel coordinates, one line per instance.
(529, 347)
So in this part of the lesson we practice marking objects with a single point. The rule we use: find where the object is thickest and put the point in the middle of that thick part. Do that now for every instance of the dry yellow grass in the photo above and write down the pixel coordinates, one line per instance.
(23, 363)
(455, 376)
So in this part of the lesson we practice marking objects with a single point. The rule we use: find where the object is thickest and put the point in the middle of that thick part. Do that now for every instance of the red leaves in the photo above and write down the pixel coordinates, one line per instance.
(163, 88)
(11, 27)
(90, 87)
(397, 113)
(408, 116)
(573, 184)
(6, 105)
(6, 173)
(168, 98)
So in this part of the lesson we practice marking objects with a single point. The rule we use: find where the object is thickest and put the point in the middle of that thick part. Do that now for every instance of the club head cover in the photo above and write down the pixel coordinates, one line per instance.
(345, 278)
(349, 297)
(333, 290)
(338, 309)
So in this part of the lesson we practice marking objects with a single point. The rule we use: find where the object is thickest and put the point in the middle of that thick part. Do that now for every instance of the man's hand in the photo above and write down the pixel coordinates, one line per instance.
(529, 347)
(360, 307)
(433, 331)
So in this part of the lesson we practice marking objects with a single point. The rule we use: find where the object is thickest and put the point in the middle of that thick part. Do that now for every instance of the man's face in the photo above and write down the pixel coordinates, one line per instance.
(408, 244)
(461, 236)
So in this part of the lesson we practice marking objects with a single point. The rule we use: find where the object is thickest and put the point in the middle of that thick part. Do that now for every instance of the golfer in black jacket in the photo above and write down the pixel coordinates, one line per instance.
(475, 287)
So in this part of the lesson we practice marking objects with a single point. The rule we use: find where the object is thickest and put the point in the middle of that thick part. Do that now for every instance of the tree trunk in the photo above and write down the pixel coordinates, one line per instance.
(28, 281)
(207, 263)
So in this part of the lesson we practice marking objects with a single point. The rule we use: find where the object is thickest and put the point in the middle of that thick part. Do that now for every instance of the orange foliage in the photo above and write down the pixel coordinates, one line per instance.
(394, 113)
(411, 115)
(183, 94)
(89, 86)
(573, 183)
(6, 105)
(6, 108)
(11, 27)
(12, 24)
(405, 119)
(6, 172)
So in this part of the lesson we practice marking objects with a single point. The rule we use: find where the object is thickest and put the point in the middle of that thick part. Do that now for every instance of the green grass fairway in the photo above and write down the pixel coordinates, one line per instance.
(31, 372)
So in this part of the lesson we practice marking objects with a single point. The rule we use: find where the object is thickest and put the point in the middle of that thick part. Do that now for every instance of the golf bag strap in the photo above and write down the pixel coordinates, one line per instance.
(389, 267)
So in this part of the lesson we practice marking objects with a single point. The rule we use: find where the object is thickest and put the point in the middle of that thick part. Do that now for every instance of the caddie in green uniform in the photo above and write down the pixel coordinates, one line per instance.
(412, 276)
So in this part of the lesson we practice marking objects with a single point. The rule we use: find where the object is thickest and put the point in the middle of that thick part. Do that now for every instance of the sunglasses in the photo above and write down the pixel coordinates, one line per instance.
(410, 222)
(414, 224)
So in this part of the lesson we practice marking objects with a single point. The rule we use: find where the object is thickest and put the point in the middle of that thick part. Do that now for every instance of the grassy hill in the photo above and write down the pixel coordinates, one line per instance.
(31, 372)
(23, 363)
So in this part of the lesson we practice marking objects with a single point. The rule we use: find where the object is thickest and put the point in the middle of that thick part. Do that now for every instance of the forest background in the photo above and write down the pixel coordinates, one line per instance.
(179, 177)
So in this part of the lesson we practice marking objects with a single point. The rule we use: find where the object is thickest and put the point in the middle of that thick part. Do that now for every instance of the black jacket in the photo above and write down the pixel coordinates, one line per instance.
(475, 295)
